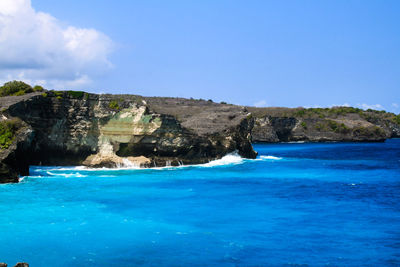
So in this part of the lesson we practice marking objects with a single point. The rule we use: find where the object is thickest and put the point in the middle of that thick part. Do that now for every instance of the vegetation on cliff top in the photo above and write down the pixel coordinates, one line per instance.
(17, 88)
(67, 94)
(8, 129)
(325, 112)
(370, 115)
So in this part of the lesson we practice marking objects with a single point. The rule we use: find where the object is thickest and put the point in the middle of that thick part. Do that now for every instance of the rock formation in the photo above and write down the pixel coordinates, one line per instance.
(323, 124)
(62, 128)
(19, 264)
(77, 128)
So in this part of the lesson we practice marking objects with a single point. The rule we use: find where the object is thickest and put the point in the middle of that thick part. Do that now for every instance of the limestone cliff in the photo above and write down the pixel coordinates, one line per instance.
(323, 124)
(76, 128)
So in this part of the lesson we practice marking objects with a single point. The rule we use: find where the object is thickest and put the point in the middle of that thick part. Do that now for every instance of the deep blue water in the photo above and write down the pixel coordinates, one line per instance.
(335, 204)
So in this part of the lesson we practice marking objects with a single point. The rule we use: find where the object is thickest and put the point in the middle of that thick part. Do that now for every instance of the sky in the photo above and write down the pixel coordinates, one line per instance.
(262, 53)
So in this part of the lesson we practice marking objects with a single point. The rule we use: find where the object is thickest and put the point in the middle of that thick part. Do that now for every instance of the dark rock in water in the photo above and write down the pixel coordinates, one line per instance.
(19, 264)
(64, 128)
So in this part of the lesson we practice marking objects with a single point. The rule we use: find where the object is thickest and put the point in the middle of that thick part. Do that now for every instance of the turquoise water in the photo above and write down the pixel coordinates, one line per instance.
(334, 204)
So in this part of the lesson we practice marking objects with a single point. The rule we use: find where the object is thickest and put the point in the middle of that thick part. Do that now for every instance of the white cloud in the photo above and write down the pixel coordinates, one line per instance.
(395, 105)
(329, 106)
(261, 103)
(341, 105)
(37, 48)
(374, 106)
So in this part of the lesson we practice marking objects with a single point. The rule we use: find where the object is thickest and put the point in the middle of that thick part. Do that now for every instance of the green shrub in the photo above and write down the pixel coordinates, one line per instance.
(333, 125)
(369, 131)
(303, 124)
(396, 119)
(38, 88)
(8, 130)
(378, 130)
(223, 103)
(343, 128)
(311, 112)
(114, 105)
(19, 93)
(319, 126)
(76, 94)
(344, 110)
(15, 88)
(338, 127)
(300, 113)
(57, 93)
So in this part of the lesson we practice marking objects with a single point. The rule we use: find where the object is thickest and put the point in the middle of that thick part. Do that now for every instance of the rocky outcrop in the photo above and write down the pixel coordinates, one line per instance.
(19, 264)
(322, 125)
(76, 128)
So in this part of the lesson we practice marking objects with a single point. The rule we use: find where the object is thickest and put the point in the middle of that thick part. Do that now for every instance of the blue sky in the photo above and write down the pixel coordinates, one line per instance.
(265, 53)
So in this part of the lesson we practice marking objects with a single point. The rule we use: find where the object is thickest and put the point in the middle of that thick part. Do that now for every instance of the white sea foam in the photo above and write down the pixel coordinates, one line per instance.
(128, 164)
(270, 157)
(230, 159)
(67, 175)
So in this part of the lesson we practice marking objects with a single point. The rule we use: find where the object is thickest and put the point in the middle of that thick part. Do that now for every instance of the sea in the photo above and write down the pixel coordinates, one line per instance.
(297, 204)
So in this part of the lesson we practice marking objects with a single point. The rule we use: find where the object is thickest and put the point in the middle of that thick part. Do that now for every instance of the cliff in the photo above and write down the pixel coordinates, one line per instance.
(77, 128)
(69, 128)
(323, 124)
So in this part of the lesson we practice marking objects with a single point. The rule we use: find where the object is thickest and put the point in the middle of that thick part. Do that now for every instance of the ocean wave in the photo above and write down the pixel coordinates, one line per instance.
(228, 160)
(67, 175)
(235, 159)
(270, 157)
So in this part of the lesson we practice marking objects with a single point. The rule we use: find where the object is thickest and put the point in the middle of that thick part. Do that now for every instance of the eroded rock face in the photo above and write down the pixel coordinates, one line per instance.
(124, 130)
(322, 125)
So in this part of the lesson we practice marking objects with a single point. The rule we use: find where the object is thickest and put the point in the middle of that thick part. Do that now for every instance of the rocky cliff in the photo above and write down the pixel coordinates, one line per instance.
(323, 124)
(77, 128)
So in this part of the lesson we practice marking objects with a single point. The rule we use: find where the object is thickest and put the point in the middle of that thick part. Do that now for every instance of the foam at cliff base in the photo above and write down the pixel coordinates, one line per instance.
(230, 159)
